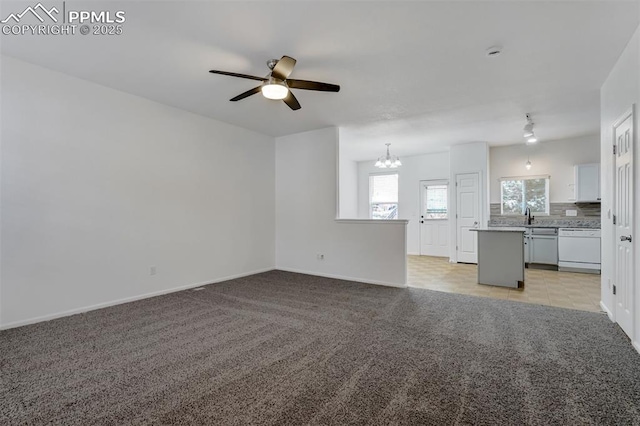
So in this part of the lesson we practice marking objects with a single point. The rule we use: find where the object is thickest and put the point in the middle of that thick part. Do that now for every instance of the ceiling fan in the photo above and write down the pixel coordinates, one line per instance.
(277, 83)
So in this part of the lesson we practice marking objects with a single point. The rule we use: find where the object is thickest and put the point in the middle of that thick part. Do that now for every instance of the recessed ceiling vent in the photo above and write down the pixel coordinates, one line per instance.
(494, 51)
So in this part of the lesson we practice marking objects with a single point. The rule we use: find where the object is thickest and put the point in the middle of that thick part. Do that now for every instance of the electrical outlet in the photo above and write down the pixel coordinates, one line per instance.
(572, 212)
(320, 256)
(152, 270)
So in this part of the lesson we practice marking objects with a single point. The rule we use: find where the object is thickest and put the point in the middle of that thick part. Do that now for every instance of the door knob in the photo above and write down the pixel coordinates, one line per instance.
(422, 221)
(625, 238)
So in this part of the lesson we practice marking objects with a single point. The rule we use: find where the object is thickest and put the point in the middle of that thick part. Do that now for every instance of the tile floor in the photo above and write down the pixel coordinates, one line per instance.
(563, 289)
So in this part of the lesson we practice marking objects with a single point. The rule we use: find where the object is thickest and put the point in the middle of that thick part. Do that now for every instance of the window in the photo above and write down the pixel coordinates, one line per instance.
(383, 196)
(435, 200)
(518, 193)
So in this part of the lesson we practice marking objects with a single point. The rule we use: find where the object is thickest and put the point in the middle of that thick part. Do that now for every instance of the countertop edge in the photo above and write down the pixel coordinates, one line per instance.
(499, 229)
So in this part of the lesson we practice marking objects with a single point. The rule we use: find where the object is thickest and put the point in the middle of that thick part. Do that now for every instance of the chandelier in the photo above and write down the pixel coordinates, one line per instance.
(388, 161)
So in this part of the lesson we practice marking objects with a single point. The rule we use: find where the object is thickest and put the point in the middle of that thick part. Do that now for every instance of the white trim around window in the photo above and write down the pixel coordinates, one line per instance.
(383, 204)
(514, 201)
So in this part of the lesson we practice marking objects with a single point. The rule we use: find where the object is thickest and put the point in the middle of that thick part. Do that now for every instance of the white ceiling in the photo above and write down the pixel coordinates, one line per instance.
(412, 73)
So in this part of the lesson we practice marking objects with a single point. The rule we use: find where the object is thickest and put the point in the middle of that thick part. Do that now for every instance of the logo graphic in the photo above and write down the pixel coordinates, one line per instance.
(34, 11)
(70, 22)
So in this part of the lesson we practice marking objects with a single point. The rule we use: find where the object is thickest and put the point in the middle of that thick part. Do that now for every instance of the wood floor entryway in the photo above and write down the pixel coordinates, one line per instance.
(552, 288)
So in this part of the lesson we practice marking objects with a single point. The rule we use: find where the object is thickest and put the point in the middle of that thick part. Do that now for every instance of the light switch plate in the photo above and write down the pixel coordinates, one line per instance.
(572, 212)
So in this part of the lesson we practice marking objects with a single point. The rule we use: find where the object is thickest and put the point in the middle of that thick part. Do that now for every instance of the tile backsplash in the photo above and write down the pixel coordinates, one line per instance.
(587, 215)
(591, 210)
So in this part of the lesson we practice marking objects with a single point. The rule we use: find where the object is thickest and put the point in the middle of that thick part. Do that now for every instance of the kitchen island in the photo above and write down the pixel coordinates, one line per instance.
(501, 256)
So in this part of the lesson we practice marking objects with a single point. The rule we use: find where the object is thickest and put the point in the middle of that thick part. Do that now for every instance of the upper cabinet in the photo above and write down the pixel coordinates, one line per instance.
(587, 183)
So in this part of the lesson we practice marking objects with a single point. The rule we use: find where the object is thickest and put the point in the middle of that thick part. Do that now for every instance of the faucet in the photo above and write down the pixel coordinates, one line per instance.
(527, 213)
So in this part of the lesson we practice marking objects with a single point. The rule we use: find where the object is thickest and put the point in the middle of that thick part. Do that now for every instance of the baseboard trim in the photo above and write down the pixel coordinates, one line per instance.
(341, 277)
(126, 300)
(607, 311)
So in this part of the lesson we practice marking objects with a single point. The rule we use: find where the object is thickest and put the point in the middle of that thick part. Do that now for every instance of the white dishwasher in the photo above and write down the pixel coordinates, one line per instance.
(579, 250)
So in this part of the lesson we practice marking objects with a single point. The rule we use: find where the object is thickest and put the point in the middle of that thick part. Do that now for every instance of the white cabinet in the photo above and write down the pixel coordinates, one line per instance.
(587, 183)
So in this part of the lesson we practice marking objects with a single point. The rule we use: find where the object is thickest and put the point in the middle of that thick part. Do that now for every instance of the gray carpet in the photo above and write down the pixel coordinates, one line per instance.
(282, 348)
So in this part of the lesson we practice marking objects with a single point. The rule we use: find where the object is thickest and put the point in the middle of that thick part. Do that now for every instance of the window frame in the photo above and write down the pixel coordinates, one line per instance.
(547, 207)
(429, 183)
(397, 202)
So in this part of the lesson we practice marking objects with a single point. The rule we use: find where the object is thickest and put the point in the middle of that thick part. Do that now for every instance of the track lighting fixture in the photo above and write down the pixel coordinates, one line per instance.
(529, 134)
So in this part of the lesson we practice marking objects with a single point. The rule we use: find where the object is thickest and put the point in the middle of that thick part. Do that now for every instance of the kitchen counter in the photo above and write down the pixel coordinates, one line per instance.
(501, 256)
(500, 229)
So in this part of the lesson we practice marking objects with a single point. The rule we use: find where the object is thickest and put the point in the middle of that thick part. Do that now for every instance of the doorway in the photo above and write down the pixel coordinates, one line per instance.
(434, 218)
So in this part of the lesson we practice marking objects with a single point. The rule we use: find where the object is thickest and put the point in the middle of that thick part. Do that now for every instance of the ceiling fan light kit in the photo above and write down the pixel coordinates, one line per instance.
(388, 161)
(277, 84)
(273, 89)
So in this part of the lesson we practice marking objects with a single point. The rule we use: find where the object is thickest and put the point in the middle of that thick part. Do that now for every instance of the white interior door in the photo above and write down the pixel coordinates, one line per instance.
(434, 218)
(624, 285)
(468, 216)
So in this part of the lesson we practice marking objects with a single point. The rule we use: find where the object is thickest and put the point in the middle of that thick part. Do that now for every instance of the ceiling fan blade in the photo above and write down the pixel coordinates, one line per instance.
(235, 74)
(313, 85)
(292, 102)
(283, 68)
(246, 94)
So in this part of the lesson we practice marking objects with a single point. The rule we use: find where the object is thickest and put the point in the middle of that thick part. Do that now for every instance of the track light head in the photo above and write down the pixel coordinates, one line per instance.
(528, 130)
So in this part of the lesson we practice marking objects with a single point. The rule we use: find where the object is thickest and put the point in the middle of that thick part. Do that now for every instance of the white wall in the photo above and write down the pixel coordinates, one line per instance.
(414, 169)
(370, 251)
(554, 158)
(468, 158)
(98, 185)
(620, 90)
(347, 180)
(348, 189)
